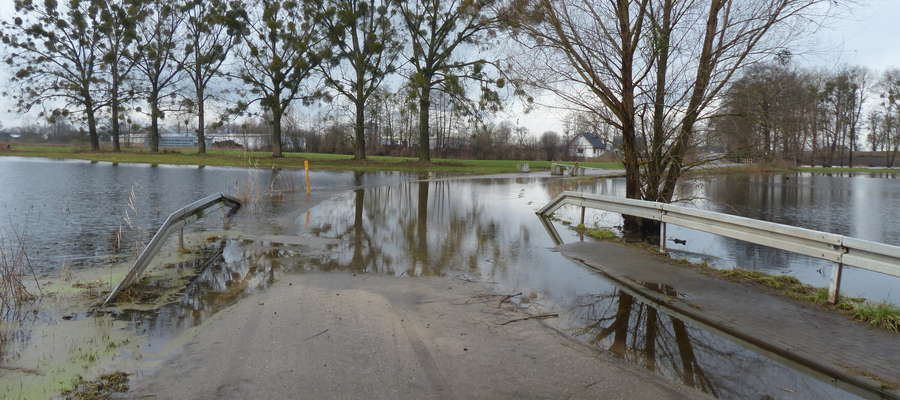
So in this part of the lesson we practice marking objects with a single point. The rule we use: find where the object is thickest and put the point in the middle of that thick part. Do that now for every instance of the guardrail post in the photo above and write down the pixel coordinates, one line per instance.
(834, 291)
(662, 237)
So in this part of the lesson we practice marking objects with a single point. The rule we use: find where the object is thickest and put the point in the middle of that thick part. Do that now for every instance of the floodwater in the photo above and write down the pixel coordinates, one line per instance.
(481, 229)
(71, 211)
(487, 229)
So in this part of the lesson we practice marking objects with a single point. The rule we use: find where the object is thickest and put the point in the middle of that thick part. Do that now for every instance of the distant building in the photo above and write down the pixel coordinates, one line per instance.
(250, 141)
(588, 145)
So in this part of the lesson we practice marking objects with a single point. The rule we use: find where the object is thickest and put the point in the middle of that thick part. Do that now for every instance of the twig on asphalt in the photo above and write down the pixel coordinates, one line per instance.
(542, 316)
(484, 298)
(470, 280)
(507, 298)
(316, 335)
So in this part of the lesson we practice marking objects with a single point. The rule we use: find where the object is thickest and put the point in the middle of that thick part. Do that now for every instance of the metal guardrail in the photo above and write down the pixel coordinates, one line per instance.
(839, 249)
(182, 217)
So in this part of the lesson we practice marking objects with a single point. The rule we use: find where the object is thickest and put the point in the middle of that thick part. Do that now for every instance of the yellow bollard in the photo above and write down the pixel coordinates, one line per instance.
(306, 167)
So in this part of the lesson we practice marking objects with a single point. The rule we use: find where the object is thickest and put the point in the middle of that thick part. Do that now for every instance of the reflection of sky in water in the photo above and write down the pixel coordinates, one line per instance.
(488, 228)
(71, 210)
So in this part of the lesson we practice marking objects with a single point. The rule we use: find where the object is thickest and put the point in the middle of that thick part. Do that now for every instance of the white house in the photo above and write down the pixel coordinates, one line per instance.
(588, 145)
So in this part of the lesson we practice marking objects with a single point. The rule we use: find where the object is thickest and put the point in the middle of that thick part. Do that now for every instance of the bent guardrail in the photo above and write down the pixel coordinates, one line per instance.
(183, 216)
(839, 249)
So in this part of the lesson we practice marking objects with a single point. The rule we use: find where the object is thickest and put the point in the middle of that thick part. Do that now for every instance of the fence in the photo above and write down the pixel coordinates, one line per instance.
(841, 250)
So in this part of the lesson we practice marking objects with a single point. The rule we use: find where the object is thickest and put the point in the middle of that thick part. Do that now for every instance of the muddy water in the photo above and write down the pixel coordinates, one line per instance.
(474, 229)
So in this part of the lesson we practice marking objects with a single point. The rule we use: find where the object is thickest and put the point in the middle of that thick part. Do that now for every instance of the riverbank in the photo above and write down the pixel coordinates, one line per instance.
(318, 161)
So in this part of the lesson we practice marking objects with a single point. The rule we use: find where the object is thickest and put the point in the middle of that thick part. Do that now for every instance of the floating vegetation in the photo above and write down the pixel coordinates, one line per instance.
(101, 388)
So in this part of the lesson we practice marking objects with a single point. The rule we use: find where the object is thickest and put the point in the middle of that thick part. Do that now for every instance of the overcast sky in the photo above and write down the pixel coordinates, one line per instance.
(869, 36)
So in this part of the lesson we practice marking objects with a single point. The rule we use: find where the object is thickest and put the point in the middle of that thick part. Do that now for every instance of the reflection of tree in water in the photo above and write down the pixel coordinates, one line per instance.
(419, 228)
(231, 272)
(641, 334)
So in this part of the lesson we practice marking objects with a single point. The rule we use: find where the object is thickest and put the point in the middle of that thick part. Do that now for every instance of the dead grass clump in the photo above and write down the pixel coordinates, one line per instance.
(101, 388)
(15, 271)
(142, 292)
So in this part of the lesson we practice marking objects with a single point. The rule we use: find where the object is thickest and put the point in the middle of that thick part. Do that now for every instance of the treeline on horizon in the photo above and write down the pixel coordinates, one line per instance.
(102, 63)
(777, 111)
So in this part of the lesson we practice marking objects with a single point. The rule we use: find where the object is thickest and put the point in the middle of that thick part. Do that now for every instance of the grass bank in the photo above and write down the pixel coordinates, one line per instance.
(878, 314)
(318, 161)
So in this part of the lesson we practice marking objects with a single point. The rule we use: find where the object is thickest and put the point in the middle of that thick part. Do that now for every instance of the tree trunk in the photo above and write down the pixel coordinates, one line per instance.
(154, 124)
(114, 104)
(201, 121)
(360, 129)
(631, 224)
(92, 125)
(276, 133)
(424, 108)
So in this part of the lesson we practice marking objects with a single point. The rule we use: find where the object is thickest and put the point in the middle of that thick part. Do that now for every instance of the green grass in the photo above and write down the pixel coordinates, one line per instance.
(878, 314)
(596, 233)
(318, 161)
(882, 315)
(839, 170)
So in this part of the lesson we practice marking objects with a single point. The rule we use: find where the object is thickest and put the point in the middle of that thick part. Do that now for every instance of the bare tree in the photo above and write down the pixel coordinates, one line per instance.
(889, 94)
(653, 69)
(550, 144)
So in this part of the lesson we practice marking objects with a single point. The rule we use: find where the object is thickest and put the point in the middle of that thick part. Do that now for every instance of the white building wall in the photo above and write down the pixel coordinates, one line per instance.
(583, 148)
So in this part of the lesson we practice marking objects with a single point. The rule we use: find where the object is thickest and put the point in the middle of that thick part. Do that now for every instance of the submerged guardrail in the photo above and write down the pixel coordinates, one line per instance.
(183, 216)
(839, 249)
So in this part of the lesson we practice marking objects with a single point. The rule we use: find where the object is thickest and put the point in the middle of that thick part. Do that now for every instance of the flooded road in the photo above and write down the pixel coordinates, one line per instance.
(480, 230)
(486, 229)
